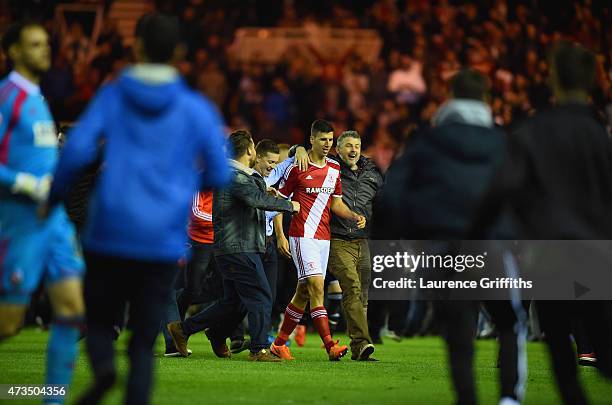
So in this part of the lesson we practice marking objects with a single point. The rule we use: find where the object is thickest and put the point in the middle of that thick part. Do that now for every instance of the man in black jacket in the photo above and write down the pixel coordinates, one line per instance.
(239, 225)
(349, 255)
(432, 193)
(557, 181)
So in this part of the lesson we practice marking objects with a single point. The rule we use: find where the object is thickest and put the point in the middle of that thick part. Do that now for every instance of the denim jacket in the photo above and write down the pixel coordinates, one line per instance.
(239, 212)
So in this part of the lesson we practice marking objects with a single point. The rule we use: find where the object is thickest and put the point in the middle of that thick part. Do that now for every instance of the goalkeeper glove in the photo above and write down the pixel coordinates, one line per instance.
(37, 188)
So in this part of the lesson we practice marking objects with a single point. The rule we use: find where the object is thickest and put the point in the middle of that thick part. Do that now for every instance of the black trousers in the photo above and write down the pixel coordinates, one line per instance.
(110, 283)
(583, 345)
(198, 266)
(270, 265)
(377, 312)
(460, 320)
(245, 291)
(556, 322)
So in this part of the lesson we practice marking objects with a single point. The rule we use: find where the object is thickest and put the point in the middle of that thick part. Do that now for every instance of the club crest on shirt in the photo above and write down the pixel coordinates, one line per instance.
(45, 135)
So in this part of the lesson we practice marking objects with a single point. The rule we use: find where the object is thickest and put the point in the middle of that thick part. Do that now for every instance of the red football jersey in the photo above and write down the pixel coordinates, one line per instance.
(313, 189)
(200, 223)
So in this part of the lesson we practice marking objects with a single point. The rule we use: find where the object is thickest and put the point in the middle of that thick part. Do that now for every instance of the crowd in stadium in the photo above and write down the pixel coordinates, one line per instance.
(452, 81)
(425, 43)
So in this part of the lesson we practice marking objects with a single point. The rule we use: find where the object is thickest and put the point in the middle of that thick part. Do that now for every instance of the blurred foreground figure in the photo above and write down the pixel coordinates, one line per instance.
(162, 142)
(33, 249)
(436, 188)
(557, 181)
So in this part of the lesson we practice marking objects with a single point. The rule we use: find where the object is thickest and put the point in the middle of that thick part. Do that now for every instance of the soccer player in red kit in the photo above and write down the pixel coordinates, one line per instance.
(317, 189)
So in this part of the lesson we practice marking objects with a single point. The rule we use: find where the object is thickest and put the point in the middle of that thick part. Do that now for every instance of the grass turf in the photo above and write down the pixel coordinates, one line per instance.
(410, 372)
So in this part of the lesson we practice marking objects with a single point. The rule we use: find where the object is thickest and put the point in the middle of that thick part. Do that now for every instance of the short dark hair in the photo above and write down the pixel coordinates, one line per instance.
(240, 141)
(470, 84)
(12, 35)
(320, 127)
(283, 147)
(266, 146)
(160, 34)
(348, 134)
(574, 65)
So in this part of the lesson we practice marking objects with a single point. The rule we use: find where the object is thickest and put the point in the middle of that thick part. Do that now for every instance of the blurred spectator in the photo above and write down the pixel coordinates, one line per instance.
(76, 45)
(109, 35)
(406, 82)
(213, 83)
(278, 105)
(58, 84)
(356, 83)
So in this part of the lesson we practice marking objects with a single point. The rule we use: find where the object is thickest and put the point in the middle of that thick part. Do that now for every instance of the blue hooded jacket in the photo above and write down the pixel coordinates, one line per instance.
(160, 142)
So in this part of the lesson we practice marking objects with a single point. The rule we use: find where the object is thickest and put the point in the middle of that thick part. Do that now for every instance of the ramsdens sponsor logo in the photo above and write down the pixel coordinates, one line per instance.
(324, 190)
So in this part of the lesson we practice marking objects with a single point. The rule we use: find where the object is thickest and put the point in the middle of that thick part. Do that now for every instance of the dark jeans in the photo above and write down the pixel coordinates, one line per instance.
(245, 291)
(198, 266)
(270, 264)
(510, 320)
(460, 319)
(555, 319)
(377, 312)
(583, 345)
(171, 312)
(110, 283)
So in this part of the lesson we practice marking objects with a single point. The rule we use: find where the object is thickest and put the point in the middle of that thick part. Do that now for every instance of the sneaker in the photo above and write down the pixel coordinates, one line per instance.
(393, 336)
(282, 352)
(264, 355)
(337, 351)
(237, 346)
(172, 352)
(587, 359)
(364, 353)
(178, 337)
(116, 332)
(488, 332)
(300, 335)
(219, 347)
(377, 340)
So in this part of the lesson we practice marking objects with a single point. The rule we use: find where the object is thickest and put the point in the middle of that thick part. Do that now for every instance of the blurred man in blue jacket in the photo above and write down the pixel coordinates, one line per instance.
(161, 143)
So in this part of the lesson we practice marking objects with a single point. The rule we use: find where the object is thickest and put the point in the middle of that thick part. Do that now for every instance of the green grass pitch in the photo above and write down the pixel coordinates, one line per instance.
(410, 372)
